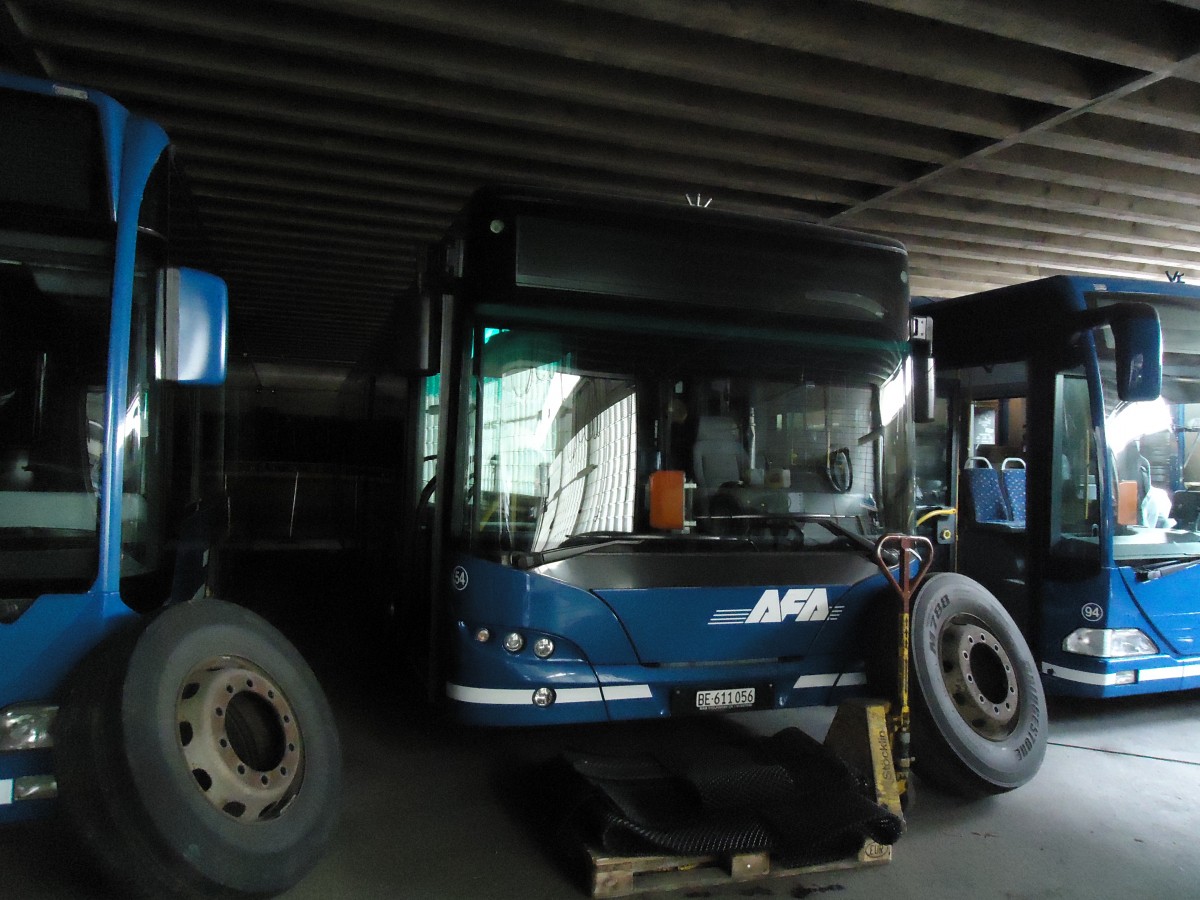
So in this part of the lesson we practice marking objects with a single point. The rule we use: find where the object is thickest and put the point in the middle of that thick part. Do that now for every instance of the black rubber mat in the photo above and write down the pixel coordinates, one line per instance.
(785, 794)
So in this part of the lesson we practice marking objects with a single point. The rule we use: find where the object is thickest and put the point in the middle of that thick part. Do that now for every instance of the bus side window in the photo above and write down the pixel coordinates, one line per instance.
(1075, 477)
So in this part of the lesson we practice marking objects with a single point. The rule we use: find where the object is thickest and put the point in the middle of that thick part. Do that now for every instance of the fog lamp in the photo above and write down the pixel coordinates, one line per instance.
(513, 642)
(543, 647)
(27, 726)
(1109, 642)
(543, 697)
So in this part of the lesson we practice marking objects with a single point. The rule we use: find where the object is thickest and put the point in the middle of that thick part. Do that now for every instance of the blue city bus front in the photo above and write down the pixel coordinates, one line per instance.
(83, 477)
(1131, 627)
(1160, 615)
(588, 350)
(693, 638)
(1099, 547)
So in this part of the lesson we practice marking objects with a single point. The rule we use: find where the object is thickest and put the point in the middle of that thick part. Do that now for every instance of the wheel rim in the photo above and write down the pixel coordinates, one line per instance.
(240, 739)
(979, 677)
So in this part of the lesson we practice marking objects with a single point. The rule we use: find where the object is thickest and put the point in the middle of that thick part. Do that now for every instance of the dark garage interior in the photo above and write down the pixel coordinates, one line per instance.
(321, 147)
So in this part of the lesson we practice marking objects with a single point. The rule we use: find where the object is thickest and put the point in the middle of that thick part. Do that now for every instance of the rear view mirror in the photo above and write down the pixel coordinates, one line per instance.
(1138, 338)
(1138, 347)
(195, 327)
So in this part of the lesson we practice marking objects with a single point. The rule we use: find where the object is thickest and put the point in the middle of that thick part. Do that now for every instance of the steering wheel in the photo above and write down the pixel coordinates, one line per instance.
(840, 470)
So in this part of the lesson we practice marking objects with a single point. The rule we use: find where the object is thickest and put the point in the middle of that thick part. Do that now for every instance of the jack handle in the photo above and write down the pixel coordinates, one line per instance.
(905, 587)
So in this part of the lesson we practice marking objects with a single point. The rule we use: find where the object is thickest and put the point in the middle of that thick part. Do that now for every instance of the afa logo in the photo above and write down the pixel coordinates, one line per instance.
(794, 605)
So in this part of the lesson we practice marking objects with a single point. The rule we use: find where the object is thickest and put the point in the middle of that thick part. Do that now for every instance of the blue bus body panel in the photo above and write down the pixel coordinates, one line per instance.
(633, 653)
(1106, 601)
(43, 645)
(143, 145)
(37, 652)
(502, 598)
(693, 624)
(1171, 606)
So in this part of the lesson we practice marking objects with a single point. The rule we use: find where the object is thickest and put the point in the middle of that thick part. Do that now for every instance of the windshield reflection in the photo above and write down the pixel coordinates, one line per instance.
(1157, 473)
(776, 457)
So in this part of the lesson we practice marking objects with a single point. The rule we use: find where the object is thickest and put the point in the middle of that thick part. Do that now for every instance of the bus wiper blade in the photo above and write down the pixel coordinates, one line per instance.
(534, 558)
(830, 523)
(1150, 573)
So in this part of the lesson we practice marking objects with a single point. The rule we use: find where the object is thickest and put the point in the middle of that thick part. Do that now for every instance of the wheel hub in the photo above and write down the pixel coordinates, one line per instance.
(239, 737)
(978, 674)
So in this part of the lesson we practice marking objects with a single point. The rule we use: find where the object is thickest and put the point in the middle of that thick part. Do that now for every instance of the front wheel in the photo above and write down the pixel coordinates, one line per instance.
(197, 757)
(979, 710)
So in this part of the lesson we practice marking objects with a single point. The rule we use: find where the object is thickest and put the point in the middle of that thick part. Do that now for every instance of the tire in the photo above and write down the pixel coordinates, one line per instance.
(979, 711)
(197, 756)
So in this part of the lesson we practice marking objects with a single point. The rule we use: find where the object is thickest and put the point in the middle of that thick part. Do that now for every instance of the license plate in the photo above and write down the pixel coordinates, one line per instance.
(726, 698)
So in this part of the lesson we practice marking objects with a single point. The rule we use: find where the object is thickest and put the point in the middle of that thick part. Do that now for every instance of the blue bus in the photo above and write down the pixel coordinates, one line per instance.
(642, 460)
(185, 739)
(1077, 503)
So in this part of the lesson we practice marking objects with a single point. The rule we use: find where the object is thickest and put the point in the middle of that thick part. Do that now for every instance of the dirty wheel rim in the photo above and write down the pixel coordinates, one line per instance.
(238, 734)
(979, 676)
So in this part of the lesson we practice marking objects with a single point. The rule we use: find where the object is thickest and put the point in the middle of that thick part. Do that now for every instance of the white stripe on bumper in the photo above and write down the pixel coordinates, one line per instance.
(524, 696)
(1184, 670)
(830, 679)
(1159, 673)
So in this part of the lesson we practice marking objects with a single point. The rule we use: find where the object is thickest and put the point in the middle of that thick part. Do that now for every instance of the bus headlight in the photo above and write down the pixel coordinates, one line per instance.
(514, 642)
(1109, 642)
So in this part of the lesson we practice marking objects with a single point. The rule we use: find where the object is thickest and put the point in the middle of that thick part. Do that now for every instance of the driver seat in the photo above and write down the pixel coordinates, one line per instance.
(718, 456)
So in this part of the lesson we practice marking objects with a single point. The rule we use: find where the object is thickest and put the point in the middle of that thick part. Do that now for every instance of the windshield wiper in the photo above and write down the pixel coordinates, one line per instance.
(532, 558)
(581, 544)
(830, 523)
(1150, 573)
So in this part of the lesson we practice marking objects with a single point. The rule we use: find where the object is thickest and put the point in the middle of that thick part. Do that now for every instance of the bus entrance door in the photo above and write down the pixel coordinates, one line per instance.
(993, 545)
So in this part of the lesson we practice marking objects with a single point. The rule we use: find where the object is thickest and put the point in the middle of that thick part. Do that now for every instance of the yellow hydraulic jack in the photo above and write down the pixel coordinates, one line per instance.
(899, 722)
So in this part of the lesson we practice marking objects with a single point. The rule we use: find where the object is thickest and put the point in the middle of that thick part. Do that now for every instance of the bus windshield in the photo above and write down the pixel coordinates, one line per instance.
(1157, 473)
(53, 347)
(788, 446)
(54, 331)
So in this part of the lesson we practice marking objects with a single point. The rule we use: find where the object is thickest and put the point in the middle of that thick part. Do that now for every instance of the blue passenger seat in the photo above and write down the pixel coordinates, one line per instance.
(984, 497)
(1012, 482)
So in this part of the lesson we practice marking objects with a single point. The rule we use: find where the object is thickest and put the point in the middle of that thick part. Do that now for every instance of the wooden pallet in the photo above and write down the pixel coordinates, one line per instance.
(859, 734)
(620, 876)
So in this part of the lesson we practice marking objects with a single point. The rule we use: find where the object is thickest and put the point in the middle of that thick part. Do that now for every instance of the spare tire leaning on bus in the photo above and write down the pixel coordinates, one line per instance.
(198, 757)
(978, 708)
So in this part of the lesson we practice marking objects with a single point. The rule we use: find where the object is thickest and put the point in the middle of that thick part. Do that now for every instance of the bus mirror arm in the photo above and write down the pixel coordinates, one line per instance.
(194, 327)
(1138, 339)
(923, 369)
(417, 333)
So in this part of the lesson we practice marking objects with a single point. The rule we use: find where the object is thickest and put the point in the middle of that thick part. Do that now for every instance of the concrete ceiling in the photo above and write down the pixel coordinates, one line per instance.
(325, 140)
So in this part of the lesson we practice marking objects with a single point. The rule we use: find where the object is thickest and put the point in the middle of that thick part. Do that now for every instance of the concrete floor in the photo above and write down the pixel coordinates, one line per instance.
(438, 812)
(441, 813)
(1115, 812)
